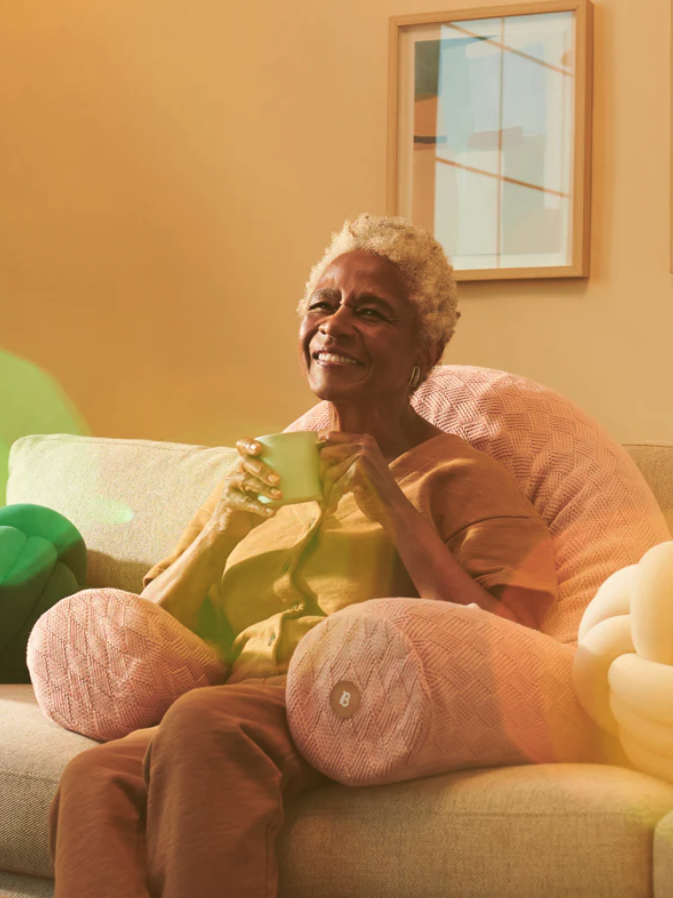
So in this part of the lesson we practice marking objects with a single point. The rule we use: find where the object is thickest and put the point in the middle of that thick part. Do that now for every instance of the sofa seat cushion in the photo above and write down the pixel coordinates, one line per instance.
(515, 832)
(512, 831)
(33, 754)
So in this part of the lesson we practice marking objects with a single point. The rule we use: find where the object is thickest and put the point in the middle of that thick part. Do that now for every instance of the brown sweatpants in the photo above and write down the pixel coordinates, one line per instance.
(189, 808)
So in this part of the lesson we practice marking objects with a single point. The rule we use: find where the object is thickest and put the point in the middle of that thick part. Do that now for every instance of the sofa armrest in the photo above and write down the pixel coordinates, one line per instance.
(662, 854)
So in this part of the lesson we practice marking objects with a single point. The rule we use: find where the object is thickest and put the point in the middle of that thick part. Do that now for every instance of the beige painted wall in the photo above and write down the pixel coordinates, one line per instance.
(170, 171)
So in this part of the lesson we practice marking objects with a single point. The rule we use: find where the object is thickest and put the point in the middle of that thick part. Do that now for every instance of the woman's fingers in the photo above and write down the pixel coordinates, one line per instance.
(247, 449)
(248, 446)
(239, 499)
(335, 482)
(241, 502)
(251, 480)
(334, 471)
(249, 484)
(261, 471)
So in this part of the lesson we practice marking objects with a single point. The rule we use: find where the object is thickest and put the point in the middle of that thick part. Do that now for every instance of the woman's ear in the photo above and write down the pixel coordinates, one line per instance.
(431, 355)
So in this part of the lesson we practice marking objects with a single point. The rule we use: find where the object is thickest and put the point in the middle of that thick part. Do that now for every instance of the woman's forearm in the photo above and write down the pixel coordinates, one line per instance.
(182, 587)
(434, 571)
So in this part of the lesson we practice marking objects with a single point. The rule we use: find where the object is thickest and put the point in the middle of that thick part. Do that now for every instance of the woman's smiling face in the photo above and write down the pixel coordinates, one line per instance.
(358, 336)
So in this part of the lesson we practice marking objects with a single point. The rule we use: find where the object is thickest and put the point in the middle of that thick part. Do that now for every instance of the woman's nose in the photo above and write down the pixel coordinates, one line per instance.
(341, 321)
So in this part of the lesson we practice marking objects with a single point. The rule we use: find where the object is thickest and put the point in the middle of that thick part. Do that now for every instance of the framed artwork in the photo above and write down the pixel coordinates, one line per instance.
(489, 144)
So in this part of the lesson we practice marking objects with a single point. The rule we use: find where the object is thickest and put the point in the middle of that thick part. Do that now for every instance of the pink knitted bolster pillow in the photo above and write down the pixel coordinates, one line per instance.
(440, 686)
(395, 689)
(104, 662)
(600, 511)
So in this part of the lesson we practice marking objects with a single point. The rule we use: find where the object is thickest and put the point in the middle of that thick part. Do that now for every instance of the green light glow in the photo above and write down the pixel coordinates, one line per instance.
(100, 510)
(31, 402)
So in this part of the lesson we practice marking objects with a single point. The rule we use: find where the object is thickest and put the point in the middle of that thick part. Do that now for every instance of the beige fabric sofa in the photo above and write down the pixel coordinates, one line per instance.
(584, 831)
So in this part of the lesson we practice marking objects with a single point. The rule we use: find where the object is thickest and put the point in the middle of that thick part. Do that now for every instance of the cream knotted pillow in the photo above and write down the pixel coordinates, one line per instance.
(623, 667)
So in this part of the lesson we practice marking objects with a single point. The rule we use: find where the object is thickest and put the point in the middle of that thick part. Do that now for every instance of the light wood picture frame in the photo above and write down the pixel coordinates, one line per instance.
(489, 142)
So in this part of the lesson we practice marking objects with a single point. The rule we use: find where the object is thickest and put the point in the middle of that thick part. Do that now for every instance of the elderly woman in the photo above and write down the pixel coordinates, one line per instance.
(192, 807)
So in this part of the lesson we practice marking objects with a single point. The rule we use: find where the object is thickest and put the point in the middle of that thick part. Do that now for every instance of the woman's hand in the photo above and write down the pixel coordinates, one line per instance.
(239, 510)
(352, 463)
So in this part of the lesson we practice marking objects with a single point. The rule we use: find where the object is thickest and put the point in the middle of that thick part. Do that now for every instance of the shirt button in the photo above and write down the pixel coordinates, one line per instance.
(271, 638)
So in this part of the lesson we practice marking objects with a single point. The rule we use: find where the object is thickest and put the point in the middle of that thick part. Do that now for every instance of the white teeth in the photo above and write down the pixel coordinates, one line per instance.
(330, 357)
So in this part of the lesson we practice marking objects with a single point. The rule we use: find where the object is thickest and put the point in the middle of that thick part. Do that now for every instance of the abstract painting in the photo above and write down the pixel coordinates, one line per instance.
(490, 137)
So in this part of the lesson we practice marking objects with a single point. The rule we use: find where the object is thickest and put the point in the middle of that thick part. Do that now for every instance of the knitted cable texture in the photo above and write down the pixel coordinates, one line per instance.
(440, 687)
(601, 513)
(434, 686)
(104, 662)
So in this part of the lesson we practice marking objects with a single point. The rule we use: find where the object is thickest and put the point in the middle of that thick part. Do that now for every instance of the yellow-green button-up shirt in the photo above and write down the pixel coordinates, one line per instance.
(295, 569)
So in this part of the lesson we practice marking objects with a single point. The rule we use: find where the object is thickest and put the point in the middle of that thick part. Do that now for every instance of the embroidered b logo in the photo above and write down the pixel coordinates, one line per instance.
(345, 698)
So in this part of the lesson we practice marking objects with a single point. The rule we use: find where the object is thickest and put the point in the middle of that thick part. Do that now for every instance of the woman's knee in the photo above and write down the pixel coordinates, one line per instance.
(218, 705)
(190, 709)
(192, 720)
(89, 766)
(226, 714)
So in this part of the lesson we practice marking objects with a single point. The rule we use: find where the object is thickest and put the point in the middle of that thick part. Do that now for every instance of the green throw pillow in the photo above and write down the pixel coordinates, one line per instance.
(42, 560)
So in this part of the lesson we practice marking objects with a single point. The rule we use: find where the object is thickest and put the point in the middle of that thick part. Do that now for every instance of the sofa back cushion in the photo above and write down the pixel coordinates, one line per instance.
(601, 513)
(655, 463)
(130, 499)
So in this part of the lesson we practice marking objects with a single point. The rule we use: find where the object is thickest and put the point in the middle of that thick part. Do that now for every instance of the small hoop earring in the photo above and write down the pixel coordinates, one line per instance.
(415, 377)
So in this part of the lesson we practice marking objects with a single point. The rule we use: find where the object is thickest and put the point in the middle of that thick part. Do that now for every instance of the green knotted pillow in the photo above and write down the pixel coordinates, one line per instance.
(42, 560)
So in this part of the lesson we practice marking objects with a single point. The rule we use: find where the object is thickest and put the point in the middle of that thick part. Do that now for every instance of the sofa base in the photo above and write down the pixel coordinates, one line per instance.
(18, 885)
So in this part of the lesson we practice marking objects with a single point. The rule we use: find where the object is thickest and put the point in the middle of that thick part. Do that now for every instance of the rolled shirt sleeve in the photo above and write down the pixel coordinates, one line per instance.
(513, 559)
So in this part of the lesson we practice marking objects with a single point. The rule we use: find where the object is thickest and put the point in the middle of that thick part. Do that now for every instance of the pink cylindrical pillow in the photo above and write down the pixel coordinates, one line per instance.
(441, 686)
(394, 689)
(104, 662)
(600, 511)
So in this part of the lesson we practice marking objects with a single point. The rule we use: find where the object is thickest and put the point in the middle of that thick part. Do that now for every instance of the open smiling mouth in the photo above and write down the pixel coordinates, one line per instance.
(331, 359)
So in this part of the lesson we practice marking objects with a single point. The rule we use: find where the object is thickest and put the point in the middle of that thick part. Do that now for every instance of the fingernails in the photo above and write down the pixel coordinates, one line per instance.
(274, 478)
(276, 493)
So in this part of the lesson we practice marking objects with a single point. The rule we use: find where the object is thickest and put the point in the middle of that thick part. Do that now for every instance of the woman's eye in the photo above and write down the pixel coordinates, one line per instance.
(363, 312)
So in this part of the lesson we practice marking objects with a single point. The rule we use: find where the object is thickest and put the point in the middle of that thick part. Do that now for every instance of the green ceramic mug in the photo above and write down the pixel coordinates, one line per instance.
(296, 460)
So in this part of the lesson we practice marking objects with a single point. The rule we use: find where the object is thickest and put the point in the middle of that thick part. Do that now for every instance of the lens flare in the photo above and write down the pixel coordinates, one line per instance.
(31, 402)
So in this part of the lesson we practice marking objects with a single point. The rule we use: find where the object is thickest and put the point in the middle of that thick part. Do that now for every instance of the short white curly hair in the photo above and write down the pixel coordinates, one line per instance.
(426, 269)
